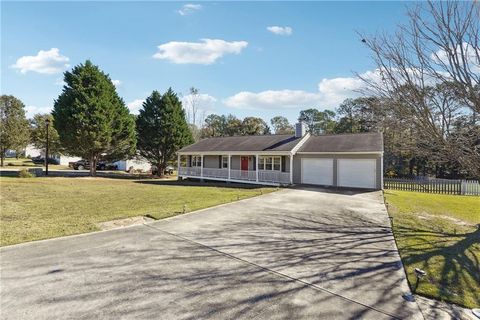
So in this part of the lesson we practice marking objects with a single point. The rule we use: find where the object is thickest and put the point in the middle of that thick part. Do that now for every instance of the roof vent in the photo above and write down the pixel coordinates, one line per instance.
(300, 129)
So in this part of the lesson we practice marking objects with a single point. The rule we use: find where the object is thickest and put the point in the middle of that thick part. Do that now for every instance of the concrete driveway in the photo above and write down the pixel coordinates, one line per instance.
(293, 254)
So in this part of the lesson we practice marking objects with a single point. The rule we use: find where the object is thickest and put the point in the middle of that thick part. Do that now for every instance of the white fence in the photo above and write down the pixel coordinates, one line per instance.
(470, 188)
(434, 185)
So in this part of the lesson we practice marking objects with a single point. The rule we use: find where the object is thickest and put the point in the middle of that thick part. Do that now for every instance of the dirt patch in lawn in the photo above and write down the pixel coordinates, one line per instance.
(426, 216)
(120, 223)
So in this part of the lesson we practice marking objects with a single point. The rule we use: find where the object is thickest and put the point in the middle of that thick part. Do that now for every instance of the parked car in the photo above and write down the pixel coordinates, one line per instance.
(85, 165)
(41, 160)
(168, 170)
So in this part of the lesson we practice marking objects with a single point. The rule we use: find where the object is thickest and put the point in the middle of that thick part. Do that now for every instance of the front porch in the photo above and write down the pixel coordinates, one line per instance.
(267, 169)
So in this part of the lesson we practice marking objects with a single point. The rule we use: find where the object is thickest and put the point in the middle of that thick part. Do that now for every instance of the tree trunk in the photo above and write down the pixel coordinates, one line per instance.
(160, 168)
(3, 157)
(93, 166)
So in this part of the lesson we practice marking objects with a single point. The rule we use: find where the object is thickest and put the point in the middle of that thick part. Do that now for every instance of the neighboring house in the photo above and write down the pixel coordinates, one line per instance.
(31, 152)
(343, 160)
(136, 164)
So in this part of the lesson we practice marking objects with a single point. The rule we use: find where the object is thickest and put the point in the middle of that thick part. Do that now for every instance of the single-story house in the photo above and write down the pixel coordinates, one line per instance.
(31, 152)
(340, 160)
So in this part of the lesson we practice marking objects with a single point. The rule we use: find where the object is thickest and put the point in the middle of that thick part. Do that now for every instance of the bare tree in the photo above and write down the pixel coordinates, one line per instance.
(192, 105)
(429, 71)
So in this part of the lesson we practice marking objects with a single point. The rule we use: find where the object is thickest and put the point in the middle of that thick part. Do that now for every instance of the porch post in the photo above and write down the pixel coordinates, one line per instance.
(229, 165)
(291, 168)
(178, 166)
(201, 167)
(256, 166)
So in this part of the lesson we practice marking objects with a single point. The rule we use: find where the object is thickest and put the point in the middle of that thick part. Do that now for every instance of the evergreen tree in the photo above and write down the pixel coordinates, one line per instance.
(38, 134)
(14, 130)
(91, 119)
(162, 129)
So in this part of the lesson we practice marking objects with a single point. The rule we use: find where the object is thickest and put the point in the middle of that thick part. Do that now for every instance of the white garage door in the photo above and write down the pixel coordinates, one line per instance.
(357, 173)
(317, 171)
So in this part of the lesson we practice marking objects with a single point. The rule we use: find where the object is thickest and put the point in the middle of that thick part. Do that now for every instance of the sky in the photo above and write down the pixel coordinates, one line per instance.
(246, 58)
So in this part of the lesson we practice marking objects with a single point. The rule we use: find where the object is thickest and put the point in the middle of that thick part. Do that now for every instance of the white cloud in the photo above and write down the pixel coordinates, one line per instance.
(47, 62)
(117, 83)
(331, 92)
(471, 53)
(271, 99)
(189, 8)
(135, 105)
(281, 31)
(207, 51)
(30, 111)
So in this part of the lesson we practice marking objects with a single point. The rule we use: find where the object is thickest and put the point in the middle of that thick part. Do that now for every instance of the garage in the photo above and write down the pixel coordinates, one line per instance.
(357, 173)
(317, 171)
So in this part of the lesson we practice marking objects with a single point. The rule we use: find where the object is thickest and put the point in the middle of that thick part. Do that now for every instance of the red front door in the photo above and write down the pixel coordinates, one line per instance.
(244, 163)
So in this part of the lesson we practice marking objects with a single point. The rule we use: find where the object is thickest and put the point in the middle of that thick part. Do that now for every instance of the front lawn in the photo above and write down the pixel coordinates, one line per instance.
(41, 208)
(439, 234)
(25, 163)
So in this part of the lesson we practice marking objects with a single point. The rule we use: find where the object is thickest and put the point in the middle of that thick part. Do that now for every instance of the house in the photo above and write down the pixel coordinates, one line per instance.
(31, 152)
(343, 160)
(140, 164)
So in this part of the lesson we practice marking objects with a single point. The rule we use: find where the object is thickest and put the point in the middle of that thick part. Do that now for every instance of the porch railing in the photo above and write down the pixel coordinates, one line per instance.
(245, 175)
(273, 176)
(215, 173)
(189, 171)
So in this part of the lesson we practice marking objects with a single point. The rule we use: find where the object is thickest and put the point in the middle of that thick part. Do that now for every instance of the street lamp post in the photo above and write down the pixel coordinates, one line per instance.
(47, 124)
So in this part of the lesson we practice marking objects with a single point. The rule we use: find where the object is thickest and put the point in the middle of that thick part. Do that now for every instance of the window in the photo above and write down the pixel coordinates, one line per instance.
(270, 163)
(276, 163)
(196, 161)
(261, 163)
(224, 162)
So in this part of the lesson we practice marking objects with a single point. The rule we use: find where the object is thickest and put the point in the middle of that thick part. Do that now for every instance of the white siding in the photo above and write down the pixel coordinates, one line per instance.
(64, 160)
(137, 164)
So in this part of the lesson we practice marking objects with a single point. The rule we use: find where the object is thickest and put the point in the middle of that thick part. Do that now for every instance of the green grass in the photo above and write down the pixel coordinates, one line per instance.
(20, 163)
(41, 208)
(438, 233)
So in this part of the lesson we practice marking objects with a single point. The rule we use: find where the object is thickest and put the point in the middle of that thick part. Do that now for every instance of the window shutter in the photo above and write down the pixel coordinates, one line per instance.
(283, 163)
(220, 162)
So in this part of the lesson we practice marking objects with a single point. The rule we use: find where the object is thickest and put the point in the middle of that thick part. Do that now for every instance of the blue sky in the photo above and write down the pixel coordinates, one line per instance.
(246, 58)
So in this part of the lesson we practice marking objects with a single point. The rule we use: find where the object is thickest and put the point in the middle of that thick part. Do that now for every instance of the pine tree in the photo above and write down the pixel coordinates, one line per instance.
(14, 130)
(91, 119)
(162, 129)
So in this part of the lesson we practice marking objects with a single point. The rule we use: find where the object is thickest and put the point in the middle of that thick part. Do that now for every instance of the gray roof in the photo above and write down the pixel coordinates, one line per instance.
(356, 142)
(245, 143)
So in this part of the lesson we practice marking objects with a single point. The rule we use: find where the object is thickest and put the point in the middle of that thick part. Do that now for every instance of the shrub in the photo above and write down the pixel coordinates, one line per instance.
(24, 173)
(11, 164)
